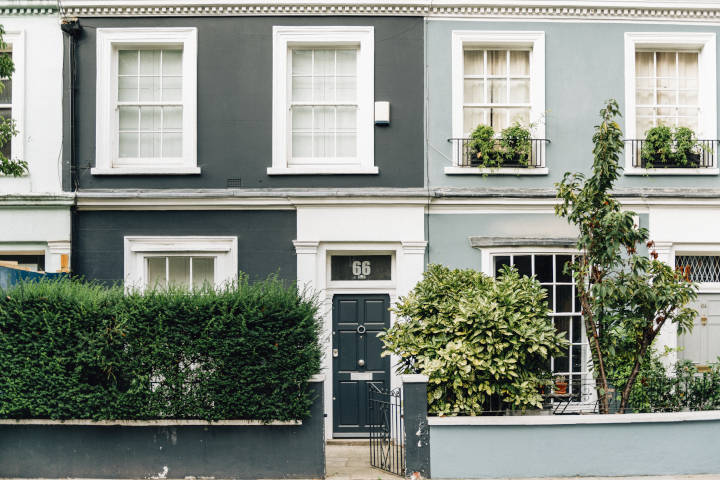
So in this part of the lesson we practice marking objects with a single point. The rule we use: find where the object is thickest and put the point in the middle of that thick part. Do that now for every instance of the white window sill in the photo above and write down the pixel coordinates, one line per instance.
(495, 171)
(672, 171)
(323, 170)
(169, 170)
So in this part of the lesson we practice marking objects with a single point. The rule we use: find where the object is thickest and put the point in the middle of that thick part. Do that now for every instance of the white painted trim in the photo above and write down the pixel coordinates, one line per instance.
(414, 378)
(170, 170)
(486, 254)
(495, 171)
(323, 170)
(106, 146)
(16, 41)
(136, 248)
(669, 171)
(287, 36)
(535, 40)
(150, 423)
(593, 419)
(704, 42)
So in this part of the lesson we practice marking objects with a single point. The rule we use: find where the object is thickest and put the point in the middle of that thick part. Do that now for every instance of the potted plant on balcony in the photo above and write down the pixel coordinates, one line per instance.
(561, 385)
(516, 145)
(665, 147)
(483, 146)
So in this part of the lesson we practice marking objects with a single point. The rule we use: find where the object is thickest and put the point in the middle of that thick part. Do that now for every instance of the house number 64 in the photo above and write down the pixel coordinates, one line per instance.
(361, 268)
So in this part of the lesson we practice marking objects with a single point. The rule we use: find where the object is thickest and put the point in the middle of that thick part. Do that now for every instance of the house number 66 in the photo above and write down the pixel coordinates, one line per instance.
(361, 268)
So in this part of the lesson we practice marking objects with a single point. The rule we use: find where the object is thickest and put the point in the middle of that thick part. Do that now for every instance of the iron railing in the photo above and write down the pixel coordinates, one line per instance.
(465, 156)
(702, 156)
(651, 393)
(387, 446)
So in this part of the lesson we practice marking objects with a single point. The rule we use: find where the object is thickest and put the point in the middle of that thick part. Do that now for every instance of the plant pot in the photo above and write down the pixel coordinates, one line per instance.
(693, 161)
(561, 388)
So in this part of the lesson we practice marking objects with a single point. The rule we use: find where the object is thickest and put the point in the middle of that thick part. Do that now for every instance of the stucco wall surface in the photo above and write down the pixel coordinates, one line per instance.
(581, 72)
(493, 451)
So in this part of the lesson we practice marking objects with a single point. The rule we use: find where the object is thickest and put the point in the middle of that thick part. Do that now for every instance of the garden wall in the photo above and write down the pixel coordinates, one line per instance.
(569, 445)
(165, 448)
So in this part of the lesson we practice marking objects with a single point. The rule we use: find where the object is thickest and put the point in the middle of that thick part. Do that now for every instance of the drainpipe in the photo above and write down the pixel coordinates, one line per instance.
(71, 29)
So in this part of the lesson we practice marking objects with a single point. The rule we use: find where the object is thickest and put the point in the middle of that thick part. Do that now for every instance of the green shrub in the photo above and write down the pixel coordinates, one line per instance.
(477, 338)
(70, 349)
(674, 147)
(513, 146)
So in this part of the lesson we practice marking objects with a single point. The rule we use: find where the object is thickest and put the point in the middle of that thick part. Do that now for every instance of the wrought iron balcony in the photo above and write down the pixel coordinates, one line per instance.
(465, 156)
(702, 156)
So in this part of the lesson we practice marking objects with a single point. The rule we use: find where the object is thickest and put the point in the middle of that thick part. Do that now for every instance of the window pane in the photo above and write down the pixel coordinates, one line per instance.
(128, 118)
(150, 118)
(562, 325)
(564, 298)
(520, 91)
(688, 64)
(497, 62)
(497, 91)
(302, 145)
(560, 261)
(644, 96)
(474, 91)
(324, 145)
(179, 271)
(149, 145)
(501, 261)
(324, 119)
(128, 145)
(324, 62)
(346, 62)
(150, 89)
(499, 118)
(665, 64)
(128, 62)
(301, 89)
(519, 62)
(301, 62)
(6, 95)
(324, 89)
(644, 64)
(346, 145)
(203, 271)
(172, 118)
(667, 97)
(172, 145)
(474, 62)
(149, 62)
(544, 268)
(156, 272)
(128, 89)
(523, 264)
(302, 118)
(346, 118)
(172, 62)
(521, 115)
(346, 89)
(688, 97)
(171, 89)
(577, 329)
(472, 117)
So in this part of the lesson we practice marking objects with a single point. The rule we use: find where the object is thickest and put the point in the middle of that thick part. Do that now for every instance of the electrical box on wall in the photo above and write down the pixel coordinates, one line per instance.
(382, 113)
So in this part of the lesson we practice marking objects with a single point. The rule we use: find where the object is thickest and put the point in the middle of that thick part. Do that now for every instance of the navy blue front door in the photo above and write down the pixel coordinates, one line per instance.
(357, 319)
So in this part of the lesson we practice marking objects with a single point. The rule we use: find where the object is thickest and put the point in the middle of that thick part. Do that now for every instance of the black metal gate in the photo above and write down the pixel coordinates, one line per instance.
(387, 446)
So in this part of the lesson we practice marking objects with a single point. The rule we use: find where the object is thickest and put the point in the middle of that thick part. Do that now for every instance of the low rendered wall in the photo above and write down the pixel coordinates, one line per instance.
(165, 449)
(570, 445)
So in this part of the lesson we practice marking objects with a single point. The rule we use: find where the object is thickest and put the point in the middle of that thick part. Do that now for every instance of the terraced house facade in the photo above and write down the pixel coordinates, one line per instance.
(328, 142)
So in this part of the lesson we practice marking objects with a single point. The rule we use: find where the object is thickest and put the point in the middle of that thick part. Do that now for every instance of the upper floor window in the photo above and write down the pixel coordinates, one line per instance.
(146, 101)
(6, 107)
(12, 97)
(323, 100)
(498, 80)
(670, 81)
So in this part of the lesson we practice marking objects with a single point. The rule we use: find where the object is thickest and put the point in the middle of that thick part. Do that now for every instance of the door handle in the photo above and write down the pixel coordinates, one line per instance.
(361, 363)
(703, 321)
(335, 353)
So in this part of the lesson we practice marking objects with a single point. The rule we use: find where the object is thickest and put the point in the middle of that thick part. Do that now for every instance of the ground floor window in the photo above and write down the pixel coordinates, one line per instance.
(564, 304)
(31, 262)
(184, 262)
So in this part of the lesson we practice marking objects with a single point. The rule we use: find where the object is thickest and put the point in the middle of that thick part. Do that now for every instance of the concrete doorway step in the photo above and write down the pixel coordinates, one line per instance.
(349, 459)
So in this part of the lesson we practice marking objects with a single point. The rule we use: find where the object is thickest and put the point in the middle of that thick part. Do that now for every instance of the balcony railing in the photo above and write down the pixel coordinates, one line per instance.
(702, 156)
(464, 156)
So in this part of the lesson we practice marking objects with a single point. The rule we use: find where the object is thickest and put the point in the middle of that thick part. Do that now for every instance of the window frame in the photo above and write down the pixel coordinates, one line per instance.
(704, 44)
(503, 40)
(109, 41)
(138, 248)
(287, 37)
(15, 40)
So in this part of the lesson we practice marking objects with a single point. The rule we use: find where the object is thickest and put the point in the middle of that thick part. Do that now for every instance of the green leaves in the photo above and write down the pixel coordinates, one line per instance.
(76, 350)
(477, 338)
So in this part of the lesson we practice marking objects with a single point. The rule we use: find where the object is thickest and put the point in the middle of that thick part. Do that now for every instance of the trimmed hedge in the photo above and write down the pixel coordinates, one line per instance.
(70, 349)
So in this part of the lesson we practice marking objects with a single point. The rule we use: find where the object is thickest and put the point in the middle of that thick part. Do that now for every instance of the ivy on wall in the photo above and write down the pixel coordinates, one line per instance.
(70, 349)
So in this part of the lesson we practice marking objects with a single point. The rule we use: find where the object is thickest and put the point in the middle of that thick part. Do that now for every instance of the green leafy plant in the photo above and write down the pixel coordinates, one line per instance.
(513, 146)
(664, 146)
(8, 128)
(623, 295)
(70, 349)
(479, 339)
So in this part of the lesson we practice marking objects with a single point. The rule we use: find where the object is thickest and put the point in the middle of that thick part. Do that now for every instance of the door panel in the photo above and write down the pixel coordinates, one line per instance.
(702, 346)
(357, 319)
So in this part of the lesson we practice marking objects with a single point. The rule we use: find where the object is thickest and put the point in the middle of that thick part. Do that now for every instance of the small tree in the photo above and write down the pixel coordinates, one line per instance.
(477, 338)
(623, 295)
(8, 129)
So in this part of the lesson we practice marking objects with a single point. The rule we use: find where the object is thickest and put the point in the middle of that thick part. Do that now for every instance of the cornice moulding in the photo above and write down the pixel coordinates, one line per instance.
(678, 10)
(28, 7)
